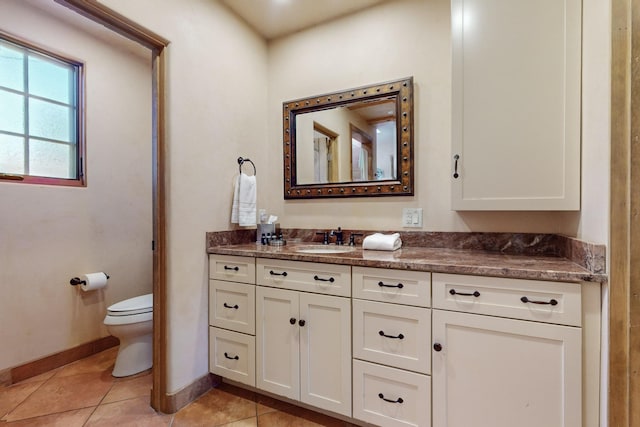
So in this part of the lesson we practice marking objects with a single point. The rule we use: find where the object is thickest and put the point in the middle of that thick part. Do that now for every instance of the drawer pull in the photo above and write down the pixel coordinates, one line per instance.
(330, 279)
(474, 294)
(236, 268)
(273, 273)
(399, 336)
(383, 285)
(232, 358)
(398, 400)
(230, 306)
(550, 302)
(292, 320)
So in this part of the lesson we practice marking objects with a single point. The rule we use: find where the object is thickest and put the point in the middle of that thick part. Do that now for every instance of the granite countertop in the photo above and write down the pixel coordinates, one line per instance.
(436, 260)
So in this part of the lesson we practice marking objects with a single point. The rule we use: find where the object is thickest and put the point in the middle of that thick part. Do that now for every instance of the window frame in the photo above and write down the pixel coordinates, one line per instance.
(80, 126)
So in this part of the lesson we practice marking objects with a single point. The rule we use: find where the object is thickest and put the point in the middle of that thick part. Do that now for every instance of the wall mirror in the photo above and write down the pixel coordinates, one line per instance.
(356, 142)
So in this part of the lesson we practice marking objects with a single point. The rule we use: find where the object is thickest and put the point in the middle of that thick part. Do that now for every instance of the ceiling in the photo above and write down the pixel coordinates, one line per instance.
(276, 18)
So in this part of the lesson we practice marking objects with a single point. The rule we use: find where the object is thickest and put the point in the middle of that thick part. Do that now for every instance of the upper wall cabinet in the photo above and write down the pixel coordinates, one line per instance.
(516, 104)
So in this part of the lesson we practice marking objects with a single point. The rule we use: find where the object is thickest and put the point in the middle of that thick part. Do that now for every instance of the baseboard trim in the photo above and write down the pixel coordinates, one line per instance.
(178, 400)
(45, 364)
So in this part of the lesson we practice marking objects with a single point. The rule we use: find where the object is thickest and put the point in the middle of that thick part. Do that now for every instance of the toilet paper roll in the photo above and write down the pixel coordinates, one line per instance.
(93, 281)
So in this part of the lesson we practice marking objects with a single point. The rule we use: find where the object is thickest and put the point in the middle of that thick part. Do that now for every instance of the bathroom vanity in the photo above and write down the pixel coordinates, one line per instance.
(416, 337)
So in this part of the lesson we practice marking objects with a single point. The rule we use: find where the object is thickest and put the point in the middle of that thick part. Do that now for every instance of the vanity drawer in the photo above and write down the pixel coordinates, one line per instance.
(397, 286)
(232, 268)
(330, 279)
(232, 355)
(542, 301)
(232, 306)
(409, 395)
(392, 334)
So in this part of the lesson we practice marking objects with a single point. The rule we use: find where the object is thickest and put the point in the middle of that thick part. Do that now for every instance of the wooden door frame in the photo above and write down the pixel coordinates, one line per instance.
(116, 22)
(624, 277)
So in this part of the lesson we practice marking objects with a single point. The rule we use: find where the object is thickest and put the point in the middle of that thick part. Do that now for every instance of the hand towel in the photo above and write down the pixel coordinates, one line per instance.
(243, 210)
(382, 242)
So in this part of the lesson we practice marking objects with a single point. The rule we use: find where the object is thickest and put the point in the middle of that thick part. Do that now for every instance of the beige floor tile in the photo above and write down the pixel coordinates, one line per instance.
(99, 362)
(40, 378)
(75, 418)
(131, 412)
(61, 394)
(130, 388)
(215, 408)
(12, 396)
(299, 417)
(249, 422)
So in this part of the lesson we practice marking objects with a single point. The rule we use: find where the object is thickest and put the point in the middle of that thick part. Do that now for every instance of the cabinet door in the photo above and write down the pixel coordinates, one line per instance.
(498, 372)
(325, 352)
(277, 342)
(516, 104)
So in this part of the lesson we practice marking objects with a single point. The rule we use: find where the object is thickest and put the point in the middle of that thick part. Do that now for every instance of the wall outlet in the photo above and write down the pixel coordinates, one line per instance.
(412, 217)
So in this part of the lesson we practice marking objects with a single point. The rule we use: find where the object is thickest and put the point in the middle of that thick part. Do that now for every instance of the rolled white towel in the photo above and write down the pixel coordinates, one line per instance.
(382, 242)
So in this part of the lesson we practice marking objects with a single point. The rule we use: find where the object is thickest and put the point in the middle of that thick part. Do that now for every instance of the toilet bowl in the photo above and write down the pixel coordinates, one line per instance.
(131, 321)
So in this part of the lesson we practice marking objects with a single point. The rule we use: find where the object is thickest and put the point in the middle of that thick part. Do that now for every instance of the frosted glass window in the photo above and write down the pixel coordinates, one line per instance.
(50, 80)
(48, 120)
(47, 159)
(11, 154)
(40, 116)
(11, 112)
(11, 68)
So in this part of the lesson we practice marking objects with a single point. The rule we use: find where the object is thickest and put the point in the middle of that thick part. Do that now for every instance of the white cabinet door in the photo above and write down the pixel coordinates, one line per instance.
(277, 342)
(303, 347)
(516, 104)
(497, 372)
(325, 352)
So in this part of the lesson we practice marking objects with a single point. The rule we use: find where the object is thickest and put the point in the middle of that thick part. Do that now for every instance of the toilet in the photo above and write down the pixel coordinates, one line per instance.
(131, 321)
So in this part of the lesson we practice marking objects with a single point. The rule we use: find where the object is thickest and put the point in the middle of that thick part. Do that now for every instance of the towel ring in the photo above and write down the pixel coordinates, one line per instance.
(241, 162)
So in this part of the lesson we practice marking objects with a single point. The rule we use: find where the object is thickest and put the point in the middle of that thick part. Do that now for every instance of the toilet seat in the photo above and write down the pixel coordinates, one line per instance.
(132, 306)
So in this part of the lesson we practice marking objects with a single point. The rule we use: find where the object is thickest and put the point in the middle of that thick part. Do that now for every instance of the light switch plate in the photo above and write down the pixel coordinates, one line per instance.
(412, 217)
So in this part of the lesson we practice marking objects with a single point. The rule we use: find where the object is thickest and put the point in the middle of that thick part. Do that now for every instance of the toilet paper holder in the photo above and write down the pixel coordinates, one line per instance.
(78, 281)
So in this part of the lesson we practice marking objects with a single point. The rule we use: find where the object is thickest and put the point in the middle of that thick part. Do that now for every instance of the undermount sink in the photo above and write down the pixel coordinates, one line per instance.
(322, 249)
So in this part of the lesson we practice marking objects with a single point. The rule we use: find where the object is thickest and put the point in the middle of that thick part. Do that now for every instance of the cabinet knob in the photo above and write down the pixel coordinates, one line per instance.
(437, 347)
(302, 322)
(292, 320)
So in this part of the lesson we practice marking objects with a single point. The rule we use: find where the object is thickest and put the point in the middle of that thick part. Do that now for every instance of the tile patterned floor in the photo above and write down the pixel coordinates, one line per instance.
(84, 393)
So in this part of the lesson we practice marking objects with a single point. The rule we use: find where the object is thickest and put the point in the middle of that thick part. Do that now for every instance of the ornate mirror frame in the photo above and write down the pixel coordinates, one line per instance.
(402, 185)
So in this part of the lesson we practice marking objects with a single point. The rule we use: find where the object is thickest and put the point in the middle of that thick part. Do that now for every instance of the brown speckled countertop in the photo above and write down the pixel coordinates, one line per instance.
(432, 259)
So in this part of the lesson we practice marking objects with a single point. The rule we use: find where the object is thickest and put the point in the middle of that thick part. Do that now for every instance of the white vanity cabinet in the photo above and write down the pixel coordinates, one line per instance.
(391, 340)
(232, 317)
(506, 352)
(516, 104)
(303, 317)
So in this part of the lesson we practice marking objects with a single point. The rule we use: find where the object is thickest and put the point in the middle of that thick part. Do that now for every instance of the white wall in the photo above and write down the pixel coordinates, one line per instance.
(412, 37)
(50, 234)
(216, 112)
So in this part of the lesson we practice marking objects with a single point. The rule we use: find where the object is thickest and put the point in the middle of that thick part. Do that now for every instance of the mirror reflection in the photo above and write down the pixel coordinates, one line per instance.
(357, 142)
(349, 143)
